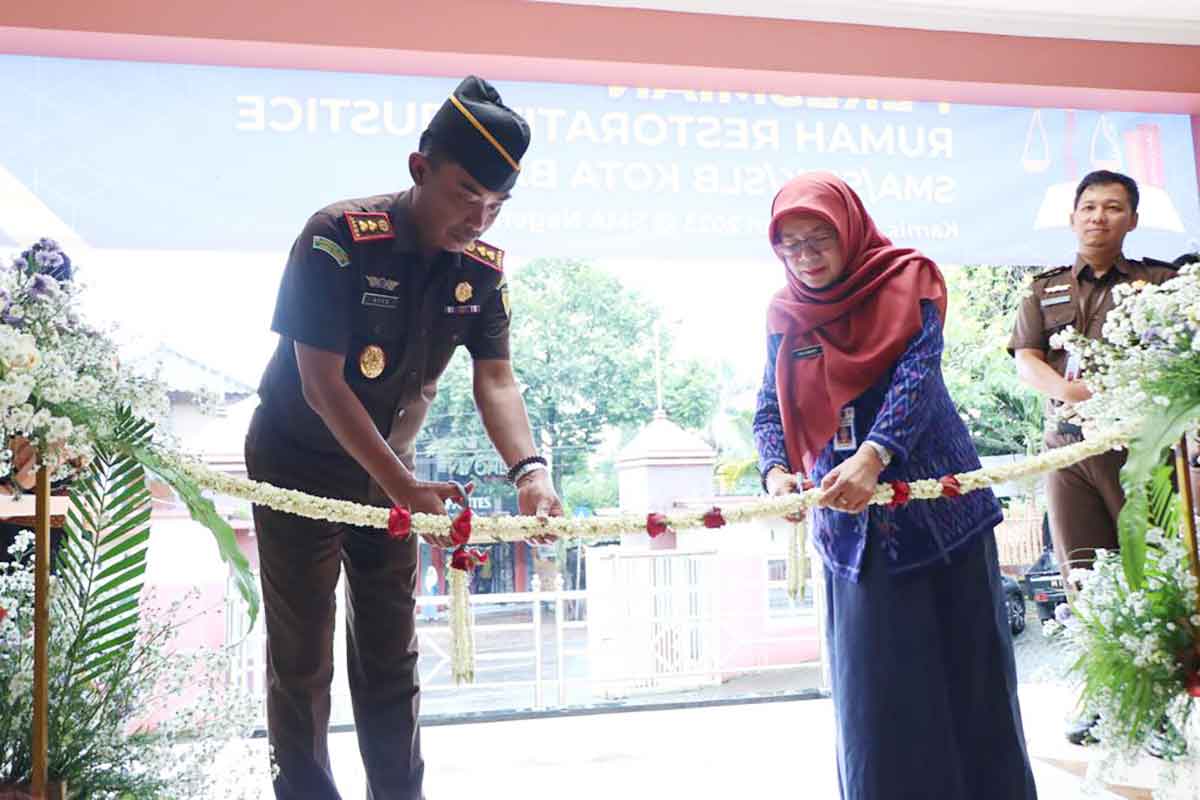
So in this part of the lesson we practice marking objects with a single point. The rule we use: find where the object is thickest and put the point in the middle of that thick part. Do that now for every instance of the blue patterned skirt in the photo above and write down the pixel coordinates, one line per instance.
(924, 681)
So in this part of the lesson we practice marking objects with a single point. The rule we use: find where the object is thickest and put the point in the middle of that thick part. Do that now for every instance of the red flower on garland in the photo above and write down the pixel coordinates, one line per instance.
(713, 518)
(900, 494)
(399, 522)
(656, 524)
(1192, 684)
(467, 559)
(460, 528)
(950, 486)
(3, 613)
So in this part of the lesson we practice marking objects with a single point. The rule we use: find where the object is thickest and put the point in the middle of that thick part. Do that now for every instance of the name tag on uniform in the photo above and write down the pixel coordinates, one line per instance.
(845, 439)
(811, 351)
(1055, 301)
(380, 300)
(1062, 287)
(462, 309)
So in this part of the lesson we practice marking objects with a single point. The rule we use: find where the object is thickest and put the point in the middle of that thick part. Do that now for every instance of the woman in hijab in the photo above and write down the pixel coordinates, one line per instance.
(923, 677)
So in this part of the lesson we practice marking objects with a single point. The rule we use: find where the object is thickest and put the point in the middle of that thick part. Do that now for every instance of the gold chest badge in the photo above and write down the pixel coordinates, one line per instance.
(463, 292)
(371, 361)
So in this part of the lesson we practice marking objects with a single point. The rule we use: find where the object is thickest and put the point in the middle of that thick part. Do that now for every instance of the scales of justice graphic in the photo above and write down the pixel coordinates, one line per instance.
(1136, 152)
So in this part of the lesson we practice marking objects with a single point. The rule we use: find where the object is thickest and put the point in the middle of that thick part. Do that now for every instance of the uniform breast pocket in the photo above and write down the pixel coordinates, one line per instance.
(452, 329)
(379, 342)
(1058, 317)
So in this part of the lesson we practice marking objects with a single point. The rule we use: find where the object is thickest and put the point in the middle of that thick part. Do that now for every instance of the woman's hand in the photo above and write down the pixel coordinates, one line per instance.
(781, 483)
(850, 485)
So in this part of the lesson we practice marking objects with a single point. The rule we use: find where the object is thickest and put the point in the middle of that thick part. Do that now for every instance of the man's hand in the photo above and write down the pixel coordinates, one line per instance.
(24, 462)
(429, 497)
(536, 497)
(1076, 392)
(850, 485)
(781, 483)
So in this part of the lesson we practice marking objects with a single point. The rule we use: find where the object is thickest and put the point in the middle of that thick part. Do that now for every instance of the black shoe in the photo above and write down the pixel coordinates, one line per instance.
(1166, 743)
(1082, 731)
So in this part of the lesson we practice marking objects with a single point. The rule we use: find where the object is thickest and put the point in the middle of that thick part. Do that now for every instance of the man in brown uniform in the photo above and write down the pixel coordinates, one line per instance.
(1086, 498)
(377, 294)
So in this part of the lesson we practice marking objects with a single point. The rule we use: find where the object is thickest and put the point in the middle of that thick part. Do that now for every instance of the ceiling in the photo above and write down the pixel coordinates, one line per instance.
(1155, 21)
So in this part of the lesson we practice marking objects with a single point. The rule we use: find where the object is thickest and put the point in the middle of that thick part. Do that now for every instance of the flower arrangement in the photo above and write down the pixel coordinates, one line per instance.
(100, 745)
(1139, 657)
(91, 423)
(1136, 622)
(61, 380)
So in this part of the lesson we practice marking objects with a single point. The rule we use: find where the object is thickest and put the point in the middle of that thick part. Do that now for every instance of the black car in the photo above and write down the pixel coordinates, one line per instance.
(1043, 580)
(1016, 604)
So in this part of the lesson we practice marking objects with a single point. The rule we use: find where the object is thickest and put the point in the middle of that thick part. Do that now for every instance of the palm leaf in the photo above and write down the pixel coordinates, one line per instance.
(103, 558)
(1145, 453)
(1164, 500)
(204, 512)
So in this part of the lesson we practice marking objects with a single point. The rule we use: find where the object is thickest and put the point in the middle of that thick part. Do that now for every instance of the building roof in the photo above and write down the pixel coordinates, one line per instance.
(665, 443)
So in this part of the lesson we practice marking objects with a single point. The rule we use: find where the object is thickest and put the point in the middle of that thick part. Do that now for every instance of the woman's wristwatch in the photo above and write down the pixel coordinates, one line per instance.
(885, 455)
(524, 467)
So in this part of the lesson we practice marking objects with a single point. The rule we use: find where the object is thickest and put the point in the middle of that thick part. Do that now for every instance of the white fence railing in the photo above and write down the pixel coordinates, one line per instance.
(646, 623)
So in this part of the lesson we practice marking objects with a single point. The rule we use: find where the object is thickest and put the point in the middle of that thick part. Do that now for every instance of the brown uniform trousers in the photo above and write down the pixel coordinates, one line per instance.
(1084, 499)
(300, 560)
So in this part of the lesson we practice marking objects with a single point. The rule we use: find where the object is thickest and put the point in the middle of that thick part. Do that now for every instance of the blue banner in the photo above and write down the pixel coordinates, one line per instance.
(171, 157)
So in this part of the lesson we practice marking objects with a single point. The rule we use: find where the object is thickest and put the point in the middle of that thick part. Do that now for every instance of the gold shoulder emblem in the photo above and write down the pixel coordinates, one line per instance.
(366, 226)
(485, 254)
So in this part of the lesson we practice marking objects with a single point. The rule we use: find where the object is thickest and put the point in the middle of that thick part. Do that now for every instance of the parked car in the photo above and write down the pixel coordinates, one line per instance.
(1016, 604)
(1043, 580)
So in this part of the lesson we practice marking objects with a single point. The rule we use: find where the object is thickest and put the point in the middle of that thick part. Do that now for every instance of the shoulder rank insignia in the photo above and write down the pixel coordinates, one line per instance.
(1050, 273)
(366, 226)
(485, 254)
(332, 248)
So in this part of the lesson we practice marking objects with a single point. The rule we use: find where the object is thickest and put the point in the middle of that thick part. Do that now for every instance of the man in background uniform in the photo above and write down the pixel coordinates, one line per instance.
(377, 294)
(1084, 499)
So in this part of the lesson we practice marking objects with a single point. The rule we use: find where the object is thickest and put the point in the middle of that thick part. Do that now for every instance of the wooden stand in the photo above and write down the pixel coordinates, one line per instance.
(1187, 503)
(41, 639)
(40, 507)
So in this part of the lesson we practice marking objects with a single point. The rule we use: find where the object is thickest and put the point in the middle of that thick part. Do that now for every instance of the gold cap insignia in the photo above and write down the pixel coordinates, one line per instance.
(371, 361)
(463, 292)
(485, 254)
(366, 226)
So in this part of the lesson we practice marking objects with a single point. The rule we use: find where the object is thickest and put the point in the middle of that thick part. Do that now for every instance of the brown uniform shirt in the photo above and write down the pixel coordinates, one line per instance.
(355, 283)
(1073, 296)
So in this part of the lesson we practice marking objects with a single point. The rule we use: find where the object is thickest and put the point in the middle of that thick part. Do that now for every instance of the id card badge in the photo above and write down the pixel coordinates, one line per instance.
(845, 438)
(1073, 368)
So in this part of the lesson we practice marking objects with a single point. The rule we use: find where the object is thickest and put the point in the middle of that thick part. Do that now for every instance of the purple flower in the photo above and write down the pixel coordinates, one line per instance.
(1062, 613)
(7, 317)
(46, 258)
(42, 285)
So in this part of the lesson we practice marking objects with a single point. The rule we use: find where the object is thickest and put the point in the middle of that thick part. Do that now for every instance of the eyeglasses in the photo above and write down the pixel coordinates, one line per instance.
(816, 245)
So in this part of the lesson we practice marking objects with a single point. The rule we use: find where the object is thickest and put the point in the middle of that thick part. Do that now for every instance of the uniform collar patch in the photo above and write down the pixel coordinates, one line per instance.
(485, 254)
(368, 226)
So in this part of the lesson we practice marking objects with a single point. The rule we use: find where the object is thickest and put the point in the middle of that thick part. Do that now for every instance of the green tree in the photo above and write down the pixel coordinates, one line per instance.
(1003, 415)
(583, 351)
